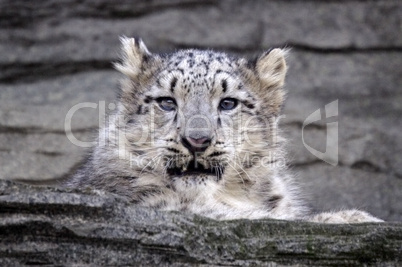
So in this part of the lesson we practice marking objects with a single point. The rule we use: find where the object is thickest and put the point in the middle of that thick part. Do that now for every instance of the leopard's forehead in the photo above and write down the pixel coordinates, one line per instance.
(204, 61)
(191, 73)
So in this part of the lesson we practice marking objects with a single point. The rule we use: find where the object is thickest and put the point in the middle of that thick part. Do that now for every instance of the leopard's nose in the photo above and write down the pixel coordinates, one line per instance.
(196, 144)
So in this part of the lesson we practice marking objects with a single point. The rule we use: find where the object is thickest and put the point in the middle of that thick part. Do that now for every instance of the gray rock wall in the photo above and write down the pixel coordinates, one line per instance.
(55, 54)
(40, 226)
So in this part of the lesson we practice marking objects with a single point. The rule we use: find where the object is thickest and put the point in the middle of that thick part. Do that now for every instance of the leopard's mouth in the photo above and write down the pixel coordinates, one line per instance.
(194, 168)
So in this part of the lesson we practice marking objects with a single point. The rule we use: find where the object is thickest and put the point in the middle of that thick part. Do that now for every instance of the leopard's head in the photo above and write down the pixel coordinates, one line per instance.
(200, 116)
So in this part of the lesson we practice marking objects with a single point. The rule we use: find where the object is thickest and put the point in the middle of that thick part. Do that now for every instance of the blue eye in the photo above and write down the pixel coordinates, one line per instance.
(166, 103)
(228, 104)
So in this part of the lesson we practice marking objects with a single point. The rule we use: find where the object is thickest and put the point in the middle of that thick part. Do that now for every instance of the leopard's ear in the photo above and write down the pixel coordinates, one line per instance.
(134, 54)
(271, 71)
(271, 68)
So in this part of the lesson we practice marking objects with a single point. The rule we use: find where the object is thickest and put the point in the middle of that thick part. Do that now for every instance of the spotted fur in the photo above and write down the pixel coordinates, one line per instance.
(229, 103)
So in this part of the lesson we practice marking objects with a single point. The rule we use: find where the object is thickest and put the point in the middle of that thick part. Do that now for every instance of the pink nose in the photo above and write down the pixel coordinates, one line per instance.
(196, 144)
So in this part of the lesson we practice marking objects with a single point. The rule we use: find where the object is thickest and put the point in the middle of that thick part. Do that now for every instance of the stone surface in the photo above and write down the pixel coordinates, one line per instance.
(83, 36)
(342, 187)
(33, 141)
(43, 105)
(56, 54)
(45, 226)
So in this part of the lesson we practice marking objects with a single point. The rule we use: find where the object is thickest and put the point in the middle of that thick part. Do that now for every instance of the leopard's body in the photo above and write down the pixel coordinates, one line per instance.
(196, 131)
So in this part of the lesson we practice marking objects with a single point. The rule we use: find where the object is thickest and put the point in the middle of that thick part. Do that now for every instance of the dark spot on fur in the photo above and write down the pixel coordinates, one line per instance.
(145, 58)
(216, 154)
(175, 118)
(184, 200)
(160, 204)
(206, 67)
(139, 110)
(248, 104)
(173, 150)
(147, 99)
(247, 112)
(148, 192)
(142, 110)
(219, 122)
(251, 96)
(126, 177)
(190, 63)
(173, 84)
(224, 85)
(273, 201)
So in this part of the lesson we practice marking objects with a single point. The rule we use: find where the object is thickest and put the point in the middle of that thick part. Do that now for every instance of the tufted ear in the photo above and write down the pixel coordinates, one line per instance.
(271, 68)
(134, 53)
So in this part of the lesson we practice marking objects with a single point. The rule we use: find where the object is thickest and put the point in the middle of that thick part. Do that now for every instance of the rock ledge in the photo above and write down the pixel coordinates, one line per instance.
(48, 226)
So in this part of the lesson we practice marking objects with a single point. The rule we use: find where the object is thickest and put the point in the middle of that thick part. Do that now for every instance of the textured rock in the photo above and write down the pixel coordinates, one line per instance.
(334, 188)
(87, 32)
(43, 226)
(335, 25)
(345, 75)
(44, 105)
(33, 143)
(38, 156)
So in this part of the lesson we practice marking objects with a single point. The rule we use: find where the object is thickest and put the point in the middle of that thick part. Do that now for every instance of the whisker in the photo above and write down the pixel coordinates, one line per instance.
(237, 172)
(151, 161)
(244, 171)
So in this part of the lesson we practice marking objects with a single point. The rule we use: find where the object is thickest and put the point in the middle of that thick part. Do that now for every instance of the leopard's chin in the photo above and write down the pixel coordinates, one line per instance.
(194, 169)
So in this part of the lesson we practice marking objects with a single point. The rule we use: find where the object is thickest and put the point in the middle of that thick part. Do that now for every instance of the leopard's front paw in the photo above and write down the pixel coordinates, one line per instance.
(344, 216)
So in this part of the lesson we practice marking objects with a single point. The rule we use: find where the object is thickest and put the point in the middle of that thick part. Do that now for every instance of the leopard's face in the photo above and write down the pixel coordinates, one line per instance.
(197, 116)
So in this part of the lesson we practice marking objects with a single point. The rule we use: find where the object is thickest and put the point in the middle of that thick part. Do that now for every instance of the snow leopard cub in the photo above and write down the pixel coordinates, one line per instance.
(196, 131)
